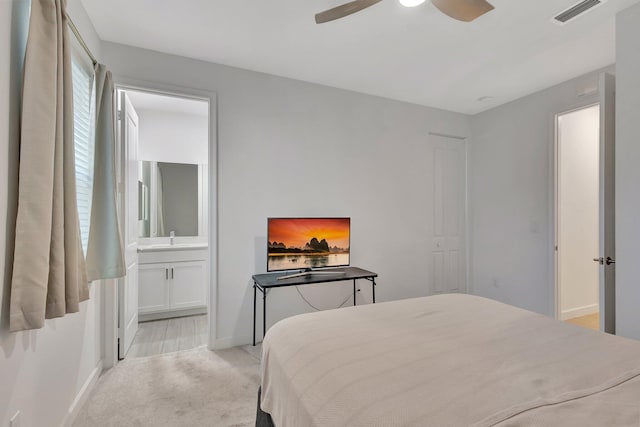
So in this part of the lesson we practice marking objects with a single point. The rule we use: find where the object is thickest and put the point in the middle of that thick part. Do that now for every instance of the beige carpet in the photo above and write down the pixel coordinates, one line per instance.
(190, 388)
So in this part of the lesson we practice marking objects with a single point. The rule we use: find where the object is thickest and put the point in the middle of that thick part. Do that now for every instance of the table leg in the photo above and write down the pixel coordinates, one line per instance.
(373, 289)
(354, 292)
(254, 314)
(264, 313)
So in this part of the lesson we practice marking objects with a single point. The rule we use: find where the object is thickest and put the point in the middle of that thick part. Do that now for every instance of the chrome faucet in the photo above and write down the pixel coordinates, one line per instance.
(172, 235)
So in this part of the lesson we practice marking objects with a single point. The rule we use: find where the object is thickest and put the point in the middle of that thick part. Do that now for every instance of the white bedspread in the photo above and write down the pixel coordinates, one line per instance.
(447, 360)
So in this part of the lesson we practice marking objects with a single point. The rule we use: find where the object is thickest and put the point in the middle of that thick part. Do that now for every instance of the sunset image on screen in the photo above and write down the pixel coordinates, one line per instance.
(307, 242)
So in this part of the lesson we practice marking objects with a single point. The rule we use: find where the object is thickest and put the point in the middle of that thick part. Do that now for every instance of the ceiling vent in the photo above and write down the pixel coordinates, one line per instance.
(576, 10)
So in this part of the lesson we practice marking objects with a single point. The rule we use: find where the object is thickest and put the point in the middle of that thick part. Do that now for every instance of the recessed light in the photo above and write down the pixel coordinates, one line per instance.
(485, 98)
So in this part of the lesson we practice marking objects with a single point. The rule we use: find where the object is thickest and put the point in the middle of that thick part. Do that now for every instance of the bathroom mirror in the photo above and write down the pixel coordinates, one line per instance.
(169, 195)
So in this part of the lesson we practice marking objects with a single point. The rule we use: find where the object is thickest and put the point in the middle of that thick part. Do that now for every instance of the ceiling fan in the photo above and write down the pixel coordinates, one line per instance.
(462, 10)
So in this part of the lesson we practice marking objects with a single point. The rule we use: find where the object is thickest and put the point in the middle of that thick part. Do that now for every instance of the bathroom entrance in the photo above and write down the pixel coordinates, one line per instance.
(164, 180)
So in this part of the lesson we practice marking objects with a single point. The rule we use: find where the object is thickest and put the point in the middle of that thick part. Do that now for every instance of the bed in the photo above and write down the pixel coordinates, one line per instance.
(445, 360)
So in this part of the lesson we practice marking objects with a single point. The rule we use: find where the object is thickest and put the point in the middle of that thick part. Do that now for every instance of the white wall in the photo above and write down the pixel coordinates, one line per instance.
(42, 371)
(289, 148)
(511, 192)
(172, 137)
(628, 173)
(578, 211)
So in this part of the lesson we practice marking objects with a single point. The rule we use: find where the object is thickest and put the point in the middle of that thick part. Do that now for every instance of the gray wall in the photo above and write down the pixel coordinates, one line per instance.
(180, 198)
(289, 148)
(511, 193)
(628, 173)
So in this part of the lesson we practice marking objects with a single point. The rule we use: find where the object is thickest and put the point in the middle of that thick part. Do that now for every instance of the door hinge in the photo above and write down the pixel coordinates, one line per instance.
(119, 114)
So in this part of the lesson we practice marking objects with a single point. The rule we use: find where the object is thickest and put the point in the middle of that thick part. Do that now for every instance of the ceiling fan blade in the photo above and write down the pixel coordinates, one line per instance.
(344, 10)
(463, 10)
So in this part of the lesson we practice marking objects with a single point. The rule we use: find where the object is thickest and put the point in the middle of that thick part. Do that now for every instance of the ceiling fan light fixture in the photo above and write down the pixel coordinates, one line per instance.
(411, 3)
(462, 10)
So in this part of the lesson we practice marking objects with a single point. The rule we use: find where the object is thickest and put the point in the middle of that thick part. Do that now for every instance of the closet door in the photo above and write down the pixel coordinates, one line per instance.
(448, 250)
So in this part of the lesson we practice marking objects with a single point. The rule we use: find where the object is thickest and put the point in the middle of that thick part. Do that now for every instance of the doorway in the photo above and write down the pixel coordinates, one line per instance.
(577, 210)
(163, 303)
(590, 125)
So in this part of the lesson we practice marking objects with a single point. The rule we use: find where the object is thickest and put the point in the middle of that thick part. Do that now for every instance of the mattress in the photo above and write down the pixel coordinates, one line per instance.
(446, 360)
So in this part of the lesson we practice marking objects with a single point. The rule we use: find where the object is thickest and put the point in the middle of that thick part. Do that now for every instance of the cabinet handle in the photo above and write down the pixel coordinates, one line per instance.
(171, 272)
(166, 273)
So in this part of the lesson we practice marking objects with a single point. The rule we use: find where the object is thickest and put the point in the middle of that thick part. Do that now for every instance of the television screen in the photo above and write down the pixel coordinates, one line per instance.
(304, 243)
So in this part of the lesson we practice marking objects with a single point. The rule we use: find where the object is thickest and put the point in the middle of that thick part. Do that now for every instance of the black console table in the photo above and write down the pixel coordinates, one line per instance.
(267, 281)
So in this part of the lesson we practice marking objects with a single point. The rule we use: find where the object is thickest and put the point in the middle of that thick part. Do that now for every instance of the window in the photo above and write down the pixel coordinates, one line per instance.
(84, 127)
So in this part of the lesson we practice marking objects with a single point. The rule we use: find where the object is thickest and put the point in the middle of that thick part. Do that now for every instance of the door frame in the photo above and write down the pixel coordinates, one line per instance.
(588, 103)
(110, 291)
(467, 211)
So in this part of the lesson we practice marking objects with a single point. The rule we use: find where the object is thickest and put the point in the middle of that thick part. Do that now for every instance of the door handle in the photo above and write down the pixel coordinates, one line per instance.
(602, 261)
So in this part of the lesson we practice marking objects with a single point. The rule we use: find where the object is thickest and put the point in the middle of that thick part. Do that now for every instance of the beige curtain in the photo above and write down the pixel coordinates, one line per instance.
(49, 275)
(104, 252)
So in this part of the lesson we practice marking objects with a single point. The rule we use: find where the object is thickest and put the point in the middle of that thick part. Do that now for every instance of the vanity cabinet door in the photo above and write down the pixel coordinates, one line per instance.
(153, 287)
(188, 287)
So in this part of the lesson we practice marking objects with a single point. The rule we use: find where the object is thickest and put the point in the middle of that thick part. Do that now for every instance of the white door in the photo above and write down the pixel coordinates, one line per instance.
(128, 286)
(607, 254)
(448, 251)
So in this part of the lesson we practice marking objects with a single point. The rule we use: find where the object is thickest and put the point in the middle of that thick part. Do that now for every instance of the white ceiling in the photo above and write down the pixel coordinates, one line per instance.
(416, 55)
(156, 102)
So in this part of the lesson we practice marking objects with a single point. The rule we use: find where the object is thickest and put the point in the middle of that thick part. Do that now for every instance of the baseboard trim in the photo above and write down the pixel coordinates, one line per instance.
(579, 311)
(146, 317)
(82, 396)
(228, 342)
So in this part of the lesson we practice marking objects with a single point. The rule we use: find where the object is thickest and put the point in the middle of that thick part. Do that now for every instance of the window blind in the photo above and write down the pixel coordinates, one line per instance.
(84, 133)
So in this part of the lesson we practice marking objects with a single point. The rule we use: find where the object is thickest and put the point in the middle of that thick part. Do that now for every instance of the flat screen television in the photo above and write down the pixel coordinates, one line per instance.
(307, 243)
